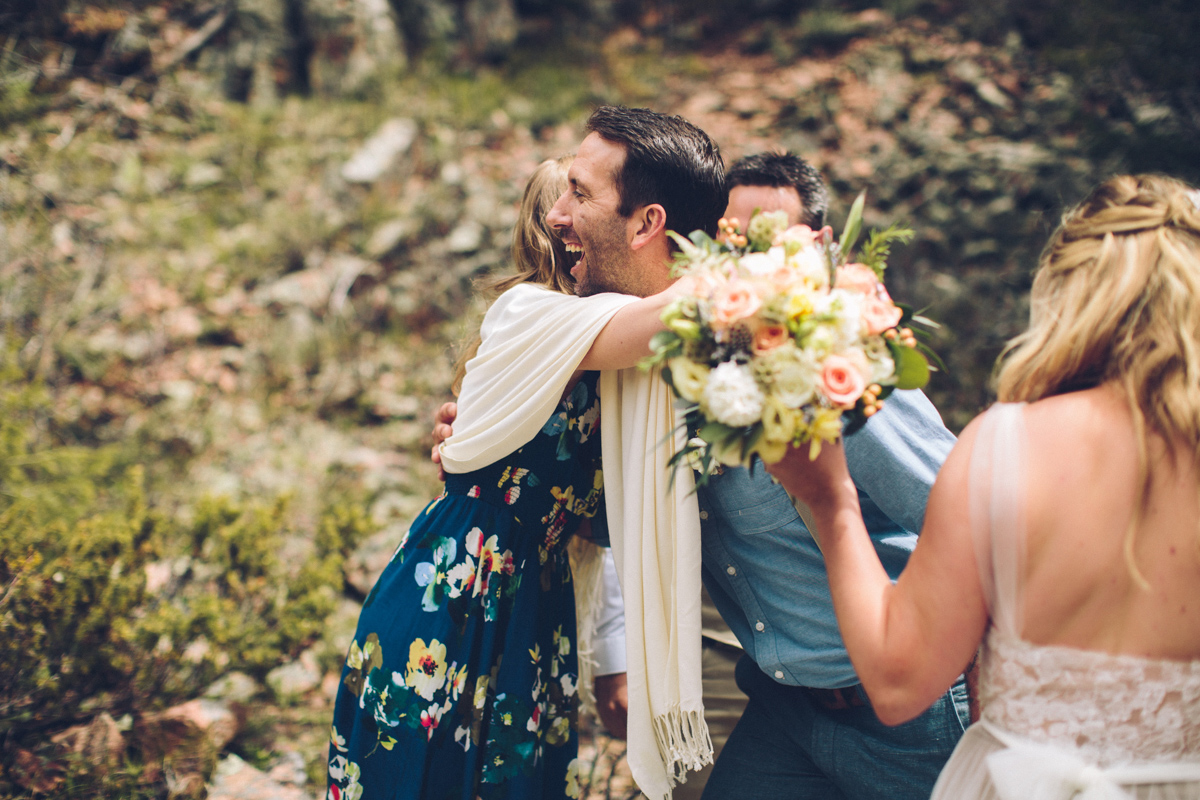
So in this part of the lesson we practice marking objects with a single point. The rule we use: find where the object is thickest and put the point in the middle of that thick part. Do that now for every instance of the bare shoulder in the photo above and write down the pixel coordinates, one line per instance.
(1099, 416)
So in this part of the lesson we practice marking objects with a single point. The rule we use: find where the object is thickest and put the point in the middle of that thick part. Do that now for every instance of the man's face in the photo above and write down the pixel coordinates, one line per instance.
(586, 218)
(743, 200)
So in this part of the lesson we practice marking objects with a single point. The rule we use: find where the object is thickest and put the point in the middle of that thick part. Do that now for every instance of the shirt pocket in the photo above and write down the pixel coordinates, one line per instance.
(761, 508)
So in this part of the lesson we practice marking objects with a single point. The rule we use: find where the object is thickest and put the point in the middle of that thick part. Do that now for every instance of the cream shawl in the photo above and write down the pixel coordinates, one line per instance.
(533, 341)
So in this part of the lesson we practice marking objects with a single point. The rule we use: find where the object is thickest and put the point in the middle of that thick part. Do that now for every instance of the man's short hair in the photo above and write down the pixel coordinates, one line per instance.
(668, 161)
(784, 169)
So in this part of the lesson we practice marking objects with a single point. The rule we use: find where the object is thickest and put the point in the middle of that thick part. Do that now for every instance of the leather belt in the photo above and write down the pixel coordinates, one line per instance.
(838, 699)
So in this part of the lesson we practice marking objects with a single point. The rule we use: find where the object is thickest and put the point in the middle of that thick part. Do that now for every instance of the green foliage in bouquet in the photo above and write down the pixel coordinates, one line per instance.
(110, 605)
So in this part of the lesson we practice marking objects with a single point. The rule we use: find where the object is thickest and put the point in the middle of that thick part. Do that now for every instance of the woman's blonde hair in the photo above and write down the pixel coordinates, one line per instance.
(538, 254)
(1116, 298)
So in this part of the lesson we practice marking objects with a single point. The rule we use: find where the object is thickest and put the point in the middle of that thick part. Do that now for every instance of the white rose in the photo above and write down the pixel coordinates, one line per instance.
(812, 264)
(763, 263)
(732, 396)
(794, 375)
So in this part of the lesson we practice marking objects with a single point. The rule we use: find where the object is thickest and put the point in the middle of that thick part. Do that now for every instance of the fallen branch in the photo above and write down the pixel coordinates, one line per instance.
(192, 43)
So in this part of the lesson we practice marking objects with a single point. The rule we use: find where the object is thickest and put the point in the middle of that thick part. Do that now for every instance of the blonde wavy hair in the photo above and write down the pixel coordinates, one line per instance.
(1116, 298)
(538, 254)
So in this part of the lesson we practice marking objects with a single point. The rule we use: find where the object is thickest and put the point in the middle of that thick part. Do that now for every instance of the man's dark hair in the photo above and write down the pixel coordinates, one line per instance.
(668, 161)
(784, 169)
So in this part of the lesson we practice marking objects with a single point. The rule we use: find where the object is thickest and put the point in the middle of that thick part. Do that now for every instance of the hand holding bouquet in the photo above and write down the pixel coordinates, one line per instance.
(780, 339)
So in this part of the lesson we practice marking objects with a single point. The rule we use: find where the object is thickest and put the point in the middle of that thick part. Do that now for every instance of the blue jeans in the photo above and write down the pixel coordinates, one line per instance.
(786, 748)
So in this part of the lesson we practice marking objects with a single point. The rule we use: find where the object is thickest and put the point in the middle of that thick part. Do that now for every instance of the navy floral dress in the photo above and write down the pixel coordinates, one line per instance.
(461, 680)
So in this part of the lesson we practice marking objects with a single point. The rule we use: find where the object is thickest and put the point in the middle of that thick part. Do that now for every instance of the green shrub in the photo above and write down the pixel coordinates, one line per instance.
(108, 604)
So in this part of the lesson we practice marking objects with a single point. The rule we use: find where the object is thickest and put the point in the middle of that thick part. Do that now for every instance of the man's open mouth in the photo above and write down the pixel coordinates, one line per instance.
(574, 254)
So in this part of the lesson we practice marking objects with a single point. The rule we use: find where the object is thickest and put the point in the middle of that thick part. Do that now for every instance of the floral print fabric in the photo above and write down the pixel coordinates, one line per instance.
(461, 679)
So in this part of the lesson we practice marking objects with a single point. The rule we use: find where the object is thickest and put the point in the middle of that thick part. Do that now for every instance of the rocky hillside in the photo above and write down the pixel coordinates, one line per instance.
(237, 244)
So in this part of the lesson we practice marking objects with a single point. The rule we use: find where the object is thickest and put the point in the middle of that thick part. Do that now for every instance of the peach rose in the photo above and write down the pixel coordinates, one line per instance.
(734, 301)
(841, 381)
(857, 278)
(880, 313)
(768, 337)
(798, 235)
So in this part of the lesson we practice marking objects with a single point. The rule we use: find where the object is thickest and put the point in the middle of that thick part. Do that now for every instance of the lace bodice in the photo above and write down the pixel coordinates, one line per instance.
(1112, 709)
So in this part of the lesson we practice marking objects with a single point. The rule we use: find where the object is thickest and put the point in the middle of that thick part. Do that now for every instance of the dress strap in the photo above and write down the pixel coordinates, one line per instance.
(997, 512)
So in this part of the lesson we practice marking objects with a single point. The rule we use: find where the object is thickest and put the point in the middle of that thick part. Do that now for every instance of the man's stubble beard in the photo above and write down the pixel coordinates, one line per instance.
(614, 271)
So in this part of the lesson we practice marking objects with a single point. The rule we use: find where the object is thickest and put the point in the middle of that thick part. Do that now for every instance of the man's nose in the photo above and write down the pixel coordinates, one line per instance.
(557, 217)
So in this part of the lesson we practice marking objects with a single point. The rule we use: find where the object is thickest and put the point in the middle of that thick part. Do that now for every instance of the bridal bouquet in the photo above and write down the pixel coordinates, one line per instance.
(782, 339)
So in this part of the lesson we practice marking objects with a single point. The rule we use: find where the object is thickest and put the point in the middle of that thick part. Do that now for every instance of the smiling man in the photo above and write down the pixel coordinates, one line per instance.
(637, 174)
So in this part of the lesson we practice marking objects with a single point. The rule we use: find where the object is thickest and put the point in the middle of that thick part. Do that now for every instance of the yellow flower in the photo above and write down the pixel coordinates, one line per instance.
(426, 667)
(799, 304)
(689, 378)
(826, 427)
(481, 685)
(771, 452)
(779, 422)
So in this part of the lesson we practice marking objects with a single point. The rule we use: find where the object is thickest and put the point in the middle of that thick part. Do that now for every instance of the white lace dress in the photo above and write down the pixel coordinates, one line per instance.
(1059, 722)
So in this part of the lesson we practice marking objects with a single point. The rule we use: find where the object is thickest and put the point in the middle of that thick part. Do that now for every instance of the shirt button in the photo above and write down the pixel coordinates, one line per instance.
(703, 515)
(760, 627)
(778, 674)
(731, 570)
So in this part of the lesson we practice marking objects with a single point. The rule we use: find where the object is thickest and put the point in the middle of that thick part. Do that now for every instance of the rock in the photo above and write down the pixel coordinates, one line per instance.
(233, 687)
(300, 676)
(390, 235)
(182, 324)
(289, 767)
(99, 742)
(466, 238)
(186, 735)
(234, 779)
(201, 174)
(379, 153)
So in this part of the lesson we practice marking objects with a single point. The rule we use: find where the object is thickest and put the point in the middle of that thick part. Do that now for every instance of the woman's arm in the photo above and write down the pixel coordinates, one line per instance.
(625, 340)
(909, 641)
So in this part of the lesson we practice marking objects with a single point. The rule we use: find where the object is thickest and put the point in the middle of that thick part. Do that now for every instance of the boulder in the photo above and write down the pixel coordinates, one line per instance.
(379, 153)
(234, 779)
(99, 742)
(301, 676)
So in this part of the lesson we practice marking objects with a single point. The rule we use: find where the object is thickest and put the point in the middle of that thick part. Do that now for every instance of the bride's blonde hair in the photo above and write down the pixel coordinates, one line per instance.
(1116, 298)
(538, 254)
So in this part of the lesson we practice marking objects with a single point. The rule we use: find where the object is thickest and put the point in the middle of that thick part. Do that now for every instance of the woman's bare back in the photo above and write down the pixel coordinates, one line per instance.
(1082, 492)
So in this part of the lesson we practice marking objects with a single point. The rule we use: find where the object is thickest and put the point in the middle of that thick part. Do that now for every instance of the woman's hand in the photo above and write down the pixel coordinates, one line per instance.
(815, 482)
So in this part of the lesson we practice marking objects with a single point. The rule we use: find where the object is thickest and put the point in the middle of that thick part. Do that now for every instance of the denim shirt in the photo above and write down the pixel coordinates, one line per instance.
(763, 569)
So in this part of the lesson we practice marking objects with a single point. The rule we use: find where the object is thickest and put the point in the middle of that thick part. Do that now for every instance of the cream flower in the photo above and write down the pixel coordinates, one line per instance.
(793, 375)
(779, 422)
(732, 395)
(689, 378)
(810, 263)
(762, 264)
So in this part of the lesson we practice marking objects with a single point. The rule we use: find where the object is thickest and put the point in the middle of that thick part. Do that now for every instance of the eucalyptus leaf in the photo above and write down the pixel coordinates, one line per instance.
(853, 224)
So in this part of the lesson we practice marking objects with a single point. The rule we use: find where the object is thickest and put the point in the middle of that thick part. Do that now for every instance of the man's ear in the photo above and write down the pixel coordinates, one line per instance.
(649, 223)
